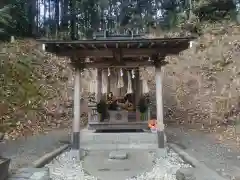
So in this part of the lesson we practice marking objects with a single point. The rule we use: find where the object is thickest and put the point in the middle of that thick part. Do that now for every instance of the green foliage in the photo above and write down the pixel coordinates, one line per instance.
(21, 90)
(22, 18)
(215, 10)
(102, 107)
(5, 19)
(17, 80)
(142, 105)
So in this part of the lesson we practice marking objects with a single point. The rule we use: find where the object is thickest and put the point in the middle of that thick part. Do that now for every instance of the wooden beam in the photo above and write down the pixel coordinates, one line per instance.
(117, 65)
(112, 59)
(82, 53)
(140, 45)
(93, 46)
(82, 46)
(151, 44)
(107, 51)
(118, 55)
(129, 40)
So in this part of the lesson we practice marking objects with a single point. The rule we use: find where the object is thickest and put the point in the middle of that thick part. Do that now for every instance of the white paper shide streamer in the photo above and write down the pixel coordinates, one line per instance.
(145, 88)
(129, 88)
(92, 86)
(133, 74)
(93, 83)
(104, 82)
(143, 77)
(120, 82)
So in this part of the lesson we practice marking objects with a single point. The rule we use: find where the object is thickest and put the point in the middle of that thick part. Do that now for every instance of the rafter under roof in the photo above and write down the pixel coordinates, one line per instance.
(117, 50)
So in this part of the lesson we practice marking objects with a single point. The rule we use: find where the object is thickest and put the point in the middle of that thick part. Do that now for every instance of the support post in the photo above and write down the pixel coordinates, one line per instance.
(99, 85)
(77, 114)
(137, 93)
(109, 85)
(159, 104)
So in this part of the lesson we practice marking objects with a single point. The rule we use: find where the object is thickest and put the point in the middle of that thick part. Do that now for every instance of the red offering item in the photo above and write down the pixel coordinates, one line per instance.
(152, 124)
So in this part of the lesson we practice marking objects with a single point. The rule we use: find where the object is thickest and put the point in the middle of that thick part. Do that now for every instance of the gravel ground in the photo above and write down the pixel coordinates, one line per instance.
(67, 167)
(23, 152)
(203, 146)
(200, 145)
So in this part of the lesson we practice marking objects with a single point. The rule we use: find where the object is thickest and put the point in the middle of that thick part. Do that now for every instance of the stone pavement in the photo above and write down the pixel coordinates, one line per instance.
(98, 164)
(203, 147)
(30, 174)
(136, 145)
(117, 156)
(110, 141)
(23, 152)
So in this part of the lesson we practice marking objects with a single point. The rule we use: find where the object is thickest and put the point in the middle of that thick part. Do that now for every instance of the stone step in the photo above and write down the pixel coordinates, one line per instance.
(118, 146)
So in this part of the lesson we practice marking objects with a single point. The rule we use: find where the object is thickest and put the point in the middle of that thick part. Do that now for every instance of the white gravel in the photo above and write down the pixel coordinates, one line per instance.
(67, 167)
(164, 169)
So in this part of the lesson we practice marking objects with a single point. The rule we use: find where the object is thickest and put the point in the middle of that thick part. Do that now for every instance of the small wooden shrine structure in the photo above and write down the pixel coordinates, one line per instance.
(118, 52)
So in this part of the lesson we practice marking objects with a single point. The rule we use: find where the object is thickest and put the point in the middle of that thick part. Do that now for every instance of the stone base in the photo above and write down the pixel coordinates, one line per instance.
(185, 174)
(117, 126)
(78, 154)
(76, 140)
(161, 139)
(4, 165)
(161, 153)
(31, 174)
(98, 164)
(120, 155)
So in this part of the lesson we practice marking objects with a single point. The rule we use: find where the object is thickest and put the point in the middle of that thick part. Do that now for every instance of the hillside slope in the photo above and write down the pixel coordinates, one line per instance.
(202, 84)
(35, 89)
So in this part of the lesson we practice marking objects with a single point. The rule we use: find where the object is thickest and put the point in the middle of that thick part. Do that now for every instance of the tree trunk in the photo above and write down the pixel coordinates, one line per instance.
(56, 16)
(31, 16)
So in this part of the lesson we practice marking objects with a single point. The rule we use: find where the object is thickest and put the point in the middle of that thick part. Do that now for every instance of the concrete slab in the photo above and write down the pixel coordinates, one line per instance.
(120, 155)
(98, 164)
(31, 174)
(88, 136)
(114, 141)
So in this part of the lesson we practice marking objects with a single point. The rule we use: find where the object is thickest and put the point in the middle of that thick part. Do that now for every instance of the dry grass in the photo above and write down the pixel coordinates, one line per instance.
(38, 86)
(203, 83)
(201, 86)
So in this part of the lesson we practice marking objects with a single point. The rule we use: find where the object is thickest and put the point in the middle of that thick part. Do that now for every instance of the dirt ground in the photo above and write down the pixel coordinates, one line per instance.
(220, 156)
(217, 155)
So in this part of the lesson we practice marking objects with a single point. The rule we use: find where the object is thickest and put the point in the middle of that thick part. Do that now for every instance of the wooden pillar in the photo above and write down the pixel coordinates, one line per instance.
(99, 85)
(159, 106)
(77, 110)
(137, 93)
(109, 85)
